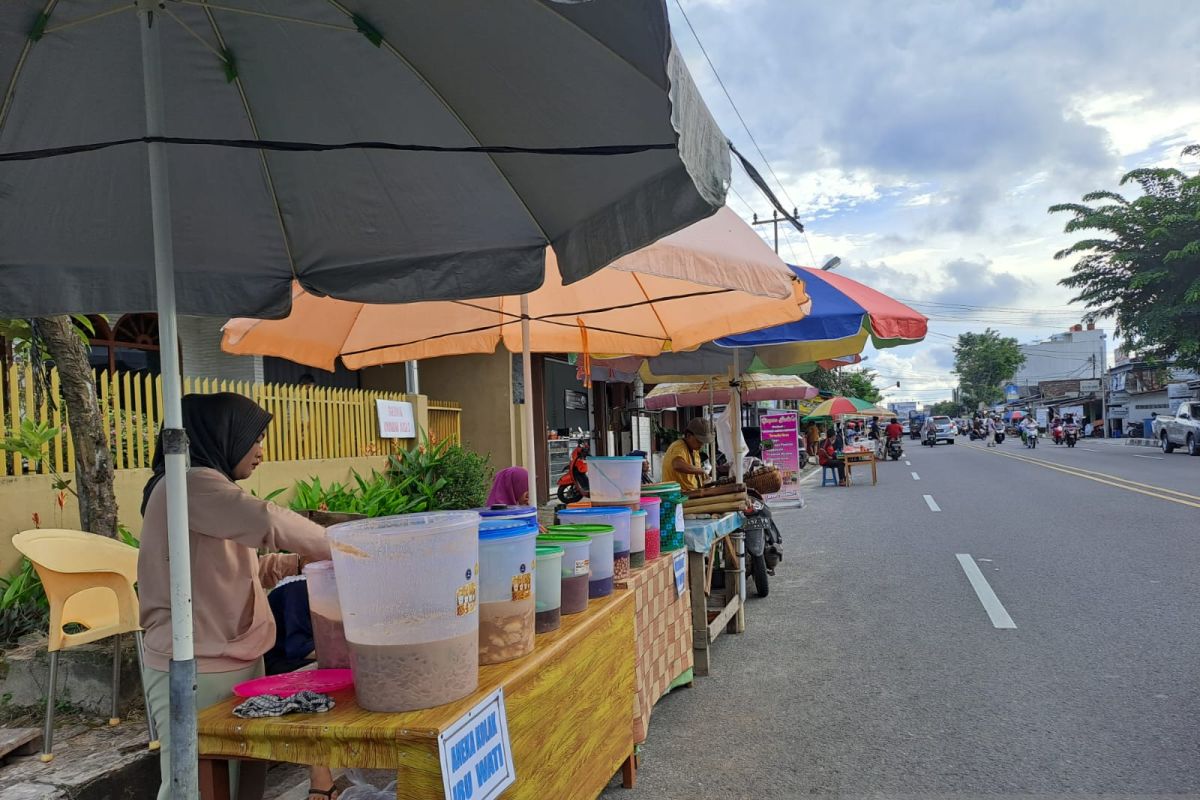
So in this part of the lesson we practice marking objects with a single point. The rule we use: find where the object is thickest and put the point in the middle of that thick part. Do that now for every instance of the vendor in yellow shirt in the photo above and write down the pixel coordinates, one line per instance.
(681, 462)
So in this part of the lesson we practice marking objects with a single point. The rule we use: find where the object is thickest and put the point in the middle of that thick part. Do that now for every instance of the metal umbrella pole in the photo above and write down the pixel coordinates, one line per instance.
(527, 411)
(183, 750)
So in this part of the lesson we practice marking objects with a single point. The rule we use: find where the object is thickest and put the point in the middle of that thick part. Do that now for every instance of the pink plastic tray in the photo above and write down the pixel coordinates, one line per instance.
(287, 684)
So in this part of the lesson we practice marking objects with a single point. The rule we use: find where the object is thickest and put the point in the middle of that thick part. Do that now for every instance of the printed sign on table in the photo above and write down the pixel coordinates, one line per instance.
(680, 566)
(395, 419)
(782, 428)
(476, 753)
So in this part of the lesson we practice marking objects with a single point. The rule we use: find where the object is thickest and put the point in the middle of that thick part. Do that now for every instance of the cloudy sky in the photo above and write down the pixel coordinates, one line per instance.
(923, 141)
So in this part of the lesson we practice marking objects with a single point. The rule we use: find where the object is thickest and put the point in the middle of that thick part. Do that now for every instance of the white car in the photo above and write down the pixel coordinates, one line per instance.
(946, 430)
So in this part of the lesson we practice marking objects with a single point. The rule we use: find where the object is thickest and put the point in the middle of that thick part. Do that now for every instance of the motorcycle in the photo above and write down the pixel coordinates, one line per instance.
(1031, 439)
(930, 439)
(764, 545)
(572, 484)
(1058, 434)
(977, 435)
(1071, 437)
(894, 449)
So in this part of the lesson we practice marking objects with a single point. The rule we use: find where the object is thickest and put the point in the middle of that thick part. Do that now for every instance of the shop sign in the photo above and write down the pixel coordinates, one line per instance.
(680, 565)
(1068, 388)
(476, 753)
(395, 419)
(783, 431)
(575, 401)
(1089, 385)
(1011, 392)
(1043, 417)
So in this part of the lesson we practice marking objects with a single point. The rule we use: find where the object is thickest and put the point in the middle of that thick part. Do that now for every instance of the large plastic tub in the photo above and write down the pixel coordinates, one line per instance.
(600, 555)
(408, 590)
(507, 612)
(326, 613)
(653, 508)
(576, 564)
(618, 517)
(637, 539)
(527, 513)
(547, 588)
(615, 479)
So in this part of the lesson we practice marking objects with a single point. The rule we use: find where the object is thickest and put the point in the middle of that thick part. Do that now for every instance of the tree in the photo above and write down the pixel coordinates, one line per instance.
(945, 408)
(1144, 268)
(847, 383)
(983, 361)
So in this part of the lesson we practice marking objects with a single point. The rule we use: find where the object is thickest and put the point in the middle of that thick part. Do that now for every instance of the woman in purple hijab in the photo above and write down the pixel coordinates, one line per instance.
(510, 487)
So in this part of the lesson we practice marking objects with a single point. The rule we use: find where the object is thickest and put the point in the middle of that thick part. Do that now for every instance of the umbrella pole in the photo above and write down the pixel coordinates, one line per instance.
(527, 410)
(183, 747)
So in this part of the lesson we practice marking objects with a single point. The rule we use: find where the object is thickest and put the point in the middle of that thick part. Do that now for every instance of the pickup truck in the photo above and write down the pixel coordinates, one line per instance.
(1181, 430)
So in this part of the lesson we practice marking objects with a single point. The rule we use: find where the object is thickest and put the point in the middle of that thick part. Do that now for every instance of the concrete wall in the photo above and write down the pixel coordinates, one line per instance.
(21, 497)
(200, 342)
(483, 385)
(1073, 354)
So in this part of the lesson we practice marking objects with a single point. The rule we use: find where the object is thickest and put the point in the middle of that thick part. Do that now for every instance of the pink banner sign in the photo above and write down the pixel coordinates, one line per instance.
(782, 429)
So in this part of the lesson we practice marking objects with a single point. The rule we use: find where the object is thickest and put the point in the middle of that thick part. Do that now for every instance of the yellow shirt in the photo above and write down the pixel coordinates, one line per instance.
(680, 450)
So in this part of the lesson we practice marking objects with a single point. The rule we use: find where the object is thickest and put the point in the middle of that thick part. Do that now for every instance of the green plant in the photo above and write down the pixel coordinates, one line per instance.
(466, 477)
(125, 536)
(29, 442)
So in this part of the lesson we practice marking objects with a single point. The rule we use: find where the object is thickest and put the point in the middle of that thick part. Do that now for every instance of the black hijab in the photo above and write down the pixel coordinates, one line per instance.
(221, 429)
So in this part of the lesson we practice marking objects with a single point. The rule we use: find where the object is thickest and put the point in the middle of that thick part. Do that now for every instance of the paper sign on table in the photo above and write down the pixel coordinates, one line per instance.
(476, 753)
(680, 565)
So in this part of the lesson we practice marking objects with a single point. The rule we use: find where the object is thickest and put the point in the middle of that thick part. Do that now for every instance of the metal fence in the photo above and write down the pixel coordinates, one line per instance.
(309, 422)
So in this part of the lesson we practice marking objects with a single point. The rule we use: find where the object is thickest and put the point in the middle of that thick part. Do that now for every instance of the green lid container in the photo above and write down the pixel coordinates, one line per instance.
(585, 531)
(544, 550)
(576, 547)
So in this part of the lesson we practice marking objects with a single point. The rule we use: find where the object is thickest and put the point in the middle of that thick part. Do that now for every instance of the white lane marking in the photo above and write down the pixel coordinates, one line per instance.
(1156, 458)
(1090, 450)
(983, 590)
(908, 463)
(932, 505)
(916, 477)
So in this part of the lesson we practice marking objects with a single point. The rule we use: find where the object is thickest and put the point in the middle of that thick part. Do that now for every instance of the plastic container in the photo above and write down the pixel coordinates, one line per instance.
(615, 479)
(600, 556)
(547, 588)
(637, 539)
(408, 589)
(507, 612)
(619, 517)
(326, 613)
(576, 565)
(528, 513)
(653, 508)
(670, 514)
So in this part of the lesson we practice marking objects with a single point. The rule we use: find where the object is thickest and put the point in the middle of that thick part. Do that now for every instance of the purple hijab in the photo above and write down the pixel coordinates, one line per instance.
(508, 487)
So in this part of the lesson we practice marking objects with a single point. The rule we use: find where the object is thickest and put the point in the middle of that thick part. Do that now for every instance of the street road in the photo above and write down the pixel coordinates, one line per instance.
(1036, 635)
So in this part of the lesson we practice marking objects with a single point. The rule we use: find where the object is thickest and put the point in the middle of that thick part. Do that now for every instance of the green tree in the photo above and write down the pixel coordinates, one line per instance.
(945, 408)
(984, 361)
(1143, 269)
(847, 383)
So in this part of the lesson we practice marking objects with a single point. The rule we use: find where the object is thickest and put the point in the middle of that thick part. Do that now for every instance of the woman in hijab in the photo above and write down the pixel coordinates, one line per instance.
(233, 625)
(510, 487)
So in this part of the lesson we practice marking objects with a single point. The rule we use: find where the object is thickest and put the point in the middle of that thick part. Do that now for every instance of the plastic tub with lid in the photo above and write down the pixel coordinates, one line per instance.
(615, 479)
(576, 564)
(527, 513)
(547, 588)
(507, 613)
(600, 556)
(619, 518)
(408, 591)
(637, 539)
(653, 507)
(329, 635)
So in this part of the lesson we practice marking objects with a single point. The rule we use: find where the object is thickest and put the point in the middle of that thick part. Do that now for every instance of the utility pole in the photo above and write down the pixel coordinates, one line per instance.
(774, 223)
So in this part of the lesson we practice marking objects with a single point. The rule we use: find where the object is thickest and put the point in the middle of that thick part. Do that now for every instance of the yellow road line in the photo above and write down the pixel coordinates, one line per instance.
(1102, 477)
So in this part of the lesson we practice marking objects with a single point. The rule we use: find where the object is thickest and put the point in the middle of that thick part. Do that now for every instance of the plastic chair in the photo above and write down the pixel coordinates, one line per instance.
(829, 476)
(89, 582)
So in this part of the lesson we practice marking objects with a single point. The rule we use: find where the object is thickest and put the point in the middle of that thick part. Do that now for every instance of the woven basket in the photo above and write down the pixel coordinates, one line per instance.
(768, 482)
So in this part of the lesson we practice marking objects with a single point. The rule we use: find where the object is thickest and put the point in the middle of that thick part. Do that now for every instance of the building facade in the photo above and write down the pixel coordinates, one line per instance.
(1080, 353)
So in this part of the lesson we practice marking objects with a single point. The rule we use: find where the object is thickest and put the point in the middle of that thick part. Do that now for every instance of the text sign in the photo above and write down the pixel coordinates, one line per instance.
(476, 753)
(680, 565)
(395, 419)
(782, 429)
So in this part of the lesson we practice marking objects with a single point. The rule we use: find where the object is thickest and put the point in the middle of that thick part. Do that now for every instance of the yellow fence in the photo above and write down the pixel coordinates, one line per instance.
(309, 422)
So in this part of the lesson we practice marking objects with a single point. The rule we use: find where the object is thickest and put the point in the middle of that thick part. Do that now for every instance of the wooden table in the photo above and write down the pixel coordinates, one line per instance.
(568, 706)
(705, 540)
(863, 457)
(663, 637)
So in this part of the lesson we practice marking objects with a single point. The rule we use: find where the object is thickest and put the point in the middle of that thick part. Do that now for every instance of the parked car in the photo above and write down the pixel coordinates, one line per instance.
(1179, 430)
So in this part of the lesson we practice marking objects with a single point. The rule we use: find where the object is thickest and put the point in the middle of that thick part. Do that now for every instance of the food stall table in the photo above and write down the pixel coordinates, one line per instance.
(568, 706)
(706, 537)
(864, 456)
(663, 637)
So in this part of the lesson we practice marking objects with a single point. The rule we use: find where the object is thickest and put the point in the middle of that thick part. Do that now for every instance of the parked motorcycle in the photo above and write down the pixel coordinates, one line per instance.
(894, 449)
(573, 483)
(764, 545)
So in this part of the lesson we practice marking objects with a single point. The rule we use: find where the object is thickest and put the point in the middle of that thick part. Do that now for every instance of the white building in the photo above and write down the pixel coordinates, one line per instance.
(1076, 354)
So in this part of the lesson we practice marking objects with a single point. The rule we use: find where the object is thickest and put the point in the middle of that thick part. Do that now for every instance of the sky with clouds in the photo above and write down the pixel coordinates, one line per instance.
(922, 142)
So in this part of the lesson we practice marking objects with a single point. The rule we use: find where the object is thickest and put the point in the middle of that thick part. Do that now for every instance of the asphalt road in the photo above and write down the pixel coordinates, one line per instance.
(873, 669)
